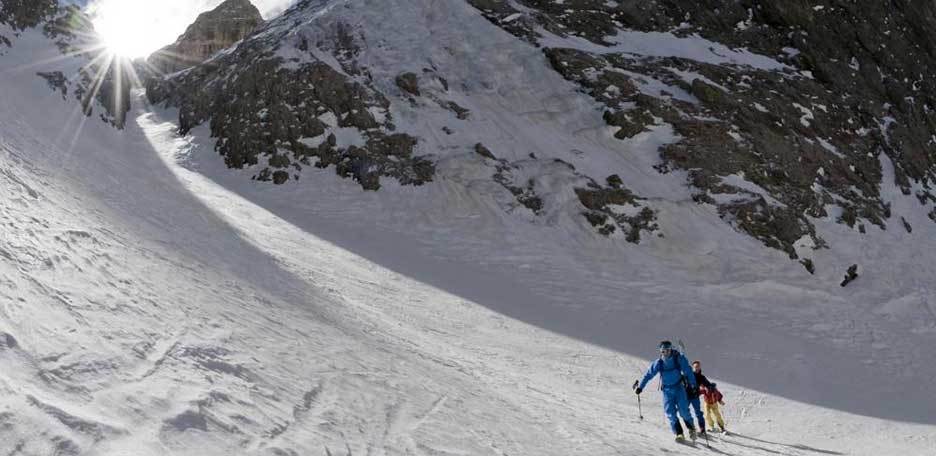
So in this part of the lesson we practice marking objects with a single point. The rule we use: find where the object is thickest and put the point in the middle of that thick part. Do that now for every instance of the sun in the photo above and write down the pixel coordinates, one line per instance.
(135, 28)
(119, 38)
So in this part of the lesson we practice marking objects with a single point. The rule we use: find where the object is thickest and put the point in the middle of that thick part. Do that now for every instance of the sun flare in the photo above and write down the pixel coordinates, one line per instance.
(119, 37)
(137, 28)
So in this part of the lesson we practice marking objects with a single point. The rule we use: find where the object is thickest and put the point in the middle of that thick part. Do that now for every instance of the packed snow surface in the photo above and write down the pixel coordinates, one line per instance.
(154, 302)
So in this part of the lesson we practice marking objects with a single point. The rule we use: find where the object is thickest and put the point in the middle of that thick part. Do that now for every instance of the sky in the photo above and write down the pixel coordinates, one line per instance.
(136, 28)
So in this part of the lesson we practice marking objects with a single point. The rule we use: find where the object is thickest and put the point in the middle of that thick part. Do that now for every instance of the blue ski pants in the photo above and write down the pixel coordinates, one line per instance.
(696, 404)
(675, 400)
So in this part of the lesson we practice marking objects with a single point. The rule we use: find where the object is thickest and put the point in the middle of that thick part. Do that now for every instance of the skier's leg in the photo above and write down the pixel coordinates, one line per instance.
(696, 404)
(682, 403)
(670, 403)
(718, 417)
(709, 415)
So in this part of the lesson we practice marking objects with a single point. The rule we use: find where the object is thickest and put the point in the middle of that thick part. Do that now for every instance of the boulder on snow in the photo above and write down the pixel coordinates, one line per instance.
(409, 83)
(850, 275)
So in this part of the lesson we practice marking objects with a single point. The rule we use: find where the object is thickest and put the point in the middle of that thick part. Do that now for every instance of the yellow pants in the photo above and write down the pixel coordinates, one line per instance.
(712, 414)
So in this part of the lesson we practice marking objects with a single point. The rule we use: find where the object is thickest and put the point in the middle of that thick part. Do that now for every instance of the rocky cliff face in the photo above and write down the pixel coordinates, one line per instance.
(211, 32)
(776, 115)
(295, 113)
(20, 14)
(772, 144)
(781, 115)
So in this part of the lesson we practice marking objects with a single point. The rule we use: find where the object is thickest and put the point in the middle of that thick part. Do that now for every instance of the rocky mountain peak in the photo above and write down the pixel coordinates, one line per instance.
(211, 32)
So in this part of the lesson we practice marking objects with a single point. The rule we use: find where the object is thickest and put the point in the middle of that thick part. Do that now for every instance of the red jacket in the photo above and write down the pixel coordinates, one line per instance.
(712, 395)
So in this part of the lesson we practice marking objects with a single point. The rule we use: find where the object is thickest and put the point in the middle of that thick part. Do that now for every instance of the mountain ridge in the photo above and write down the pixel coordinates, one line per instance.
(211, 32)
(770, 181)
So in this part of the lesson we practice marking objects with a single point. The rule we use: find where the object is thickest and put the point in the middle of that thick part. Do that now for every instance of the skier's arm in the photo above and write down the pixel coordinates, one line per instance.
(651, 372)
(704, 381)
(687, 371)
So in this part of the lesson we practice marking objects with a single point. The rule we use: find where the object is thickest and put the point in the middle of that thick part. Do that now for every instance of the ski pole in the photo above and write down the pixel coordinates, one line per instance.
(639, 410)
(706, 439)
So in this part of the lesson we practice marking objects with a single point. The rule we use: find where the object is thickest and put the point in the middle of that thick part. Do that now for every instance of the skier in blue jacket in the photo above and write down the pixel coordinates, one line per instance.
(675, 373)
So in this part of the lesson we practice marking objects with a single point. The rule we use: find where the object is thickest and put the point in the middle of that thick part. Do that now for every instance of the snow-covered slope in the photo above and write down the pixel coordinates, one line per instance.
(156, 302)
(773, 149)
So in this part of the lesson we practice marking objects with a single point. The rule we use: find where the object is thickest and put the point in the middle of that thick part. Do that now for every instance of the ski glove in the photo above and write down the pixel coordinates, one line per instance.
(638, 390)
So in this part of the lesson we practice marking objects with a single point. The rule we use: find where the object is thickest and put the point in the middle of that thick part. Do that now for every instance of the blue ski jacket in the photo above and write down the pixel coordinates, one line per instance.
(671, 370)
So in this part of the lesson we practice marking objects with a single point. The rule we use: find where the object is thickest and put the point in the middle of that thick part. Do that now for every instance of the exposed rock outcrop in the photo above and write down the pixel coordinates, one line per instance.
(295, 116)
(850, 275)
(796, 132)
(22, 14)
(213, 31)
(775, 118)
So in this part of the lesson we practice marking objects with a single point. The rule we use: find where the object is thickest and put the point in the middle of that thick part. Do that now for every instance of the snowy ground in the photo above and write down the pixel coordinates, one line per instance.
(153, 302)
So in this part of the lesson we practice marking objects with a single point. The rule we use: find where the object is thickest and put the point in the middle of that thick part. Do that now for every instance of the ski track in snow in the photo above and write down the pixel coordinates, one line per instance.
(152, 302)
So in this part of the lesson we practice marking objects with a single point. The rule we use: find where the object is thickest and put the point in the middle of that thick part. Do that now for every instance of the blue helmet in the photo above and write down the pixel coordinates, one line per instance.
(666, 345)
